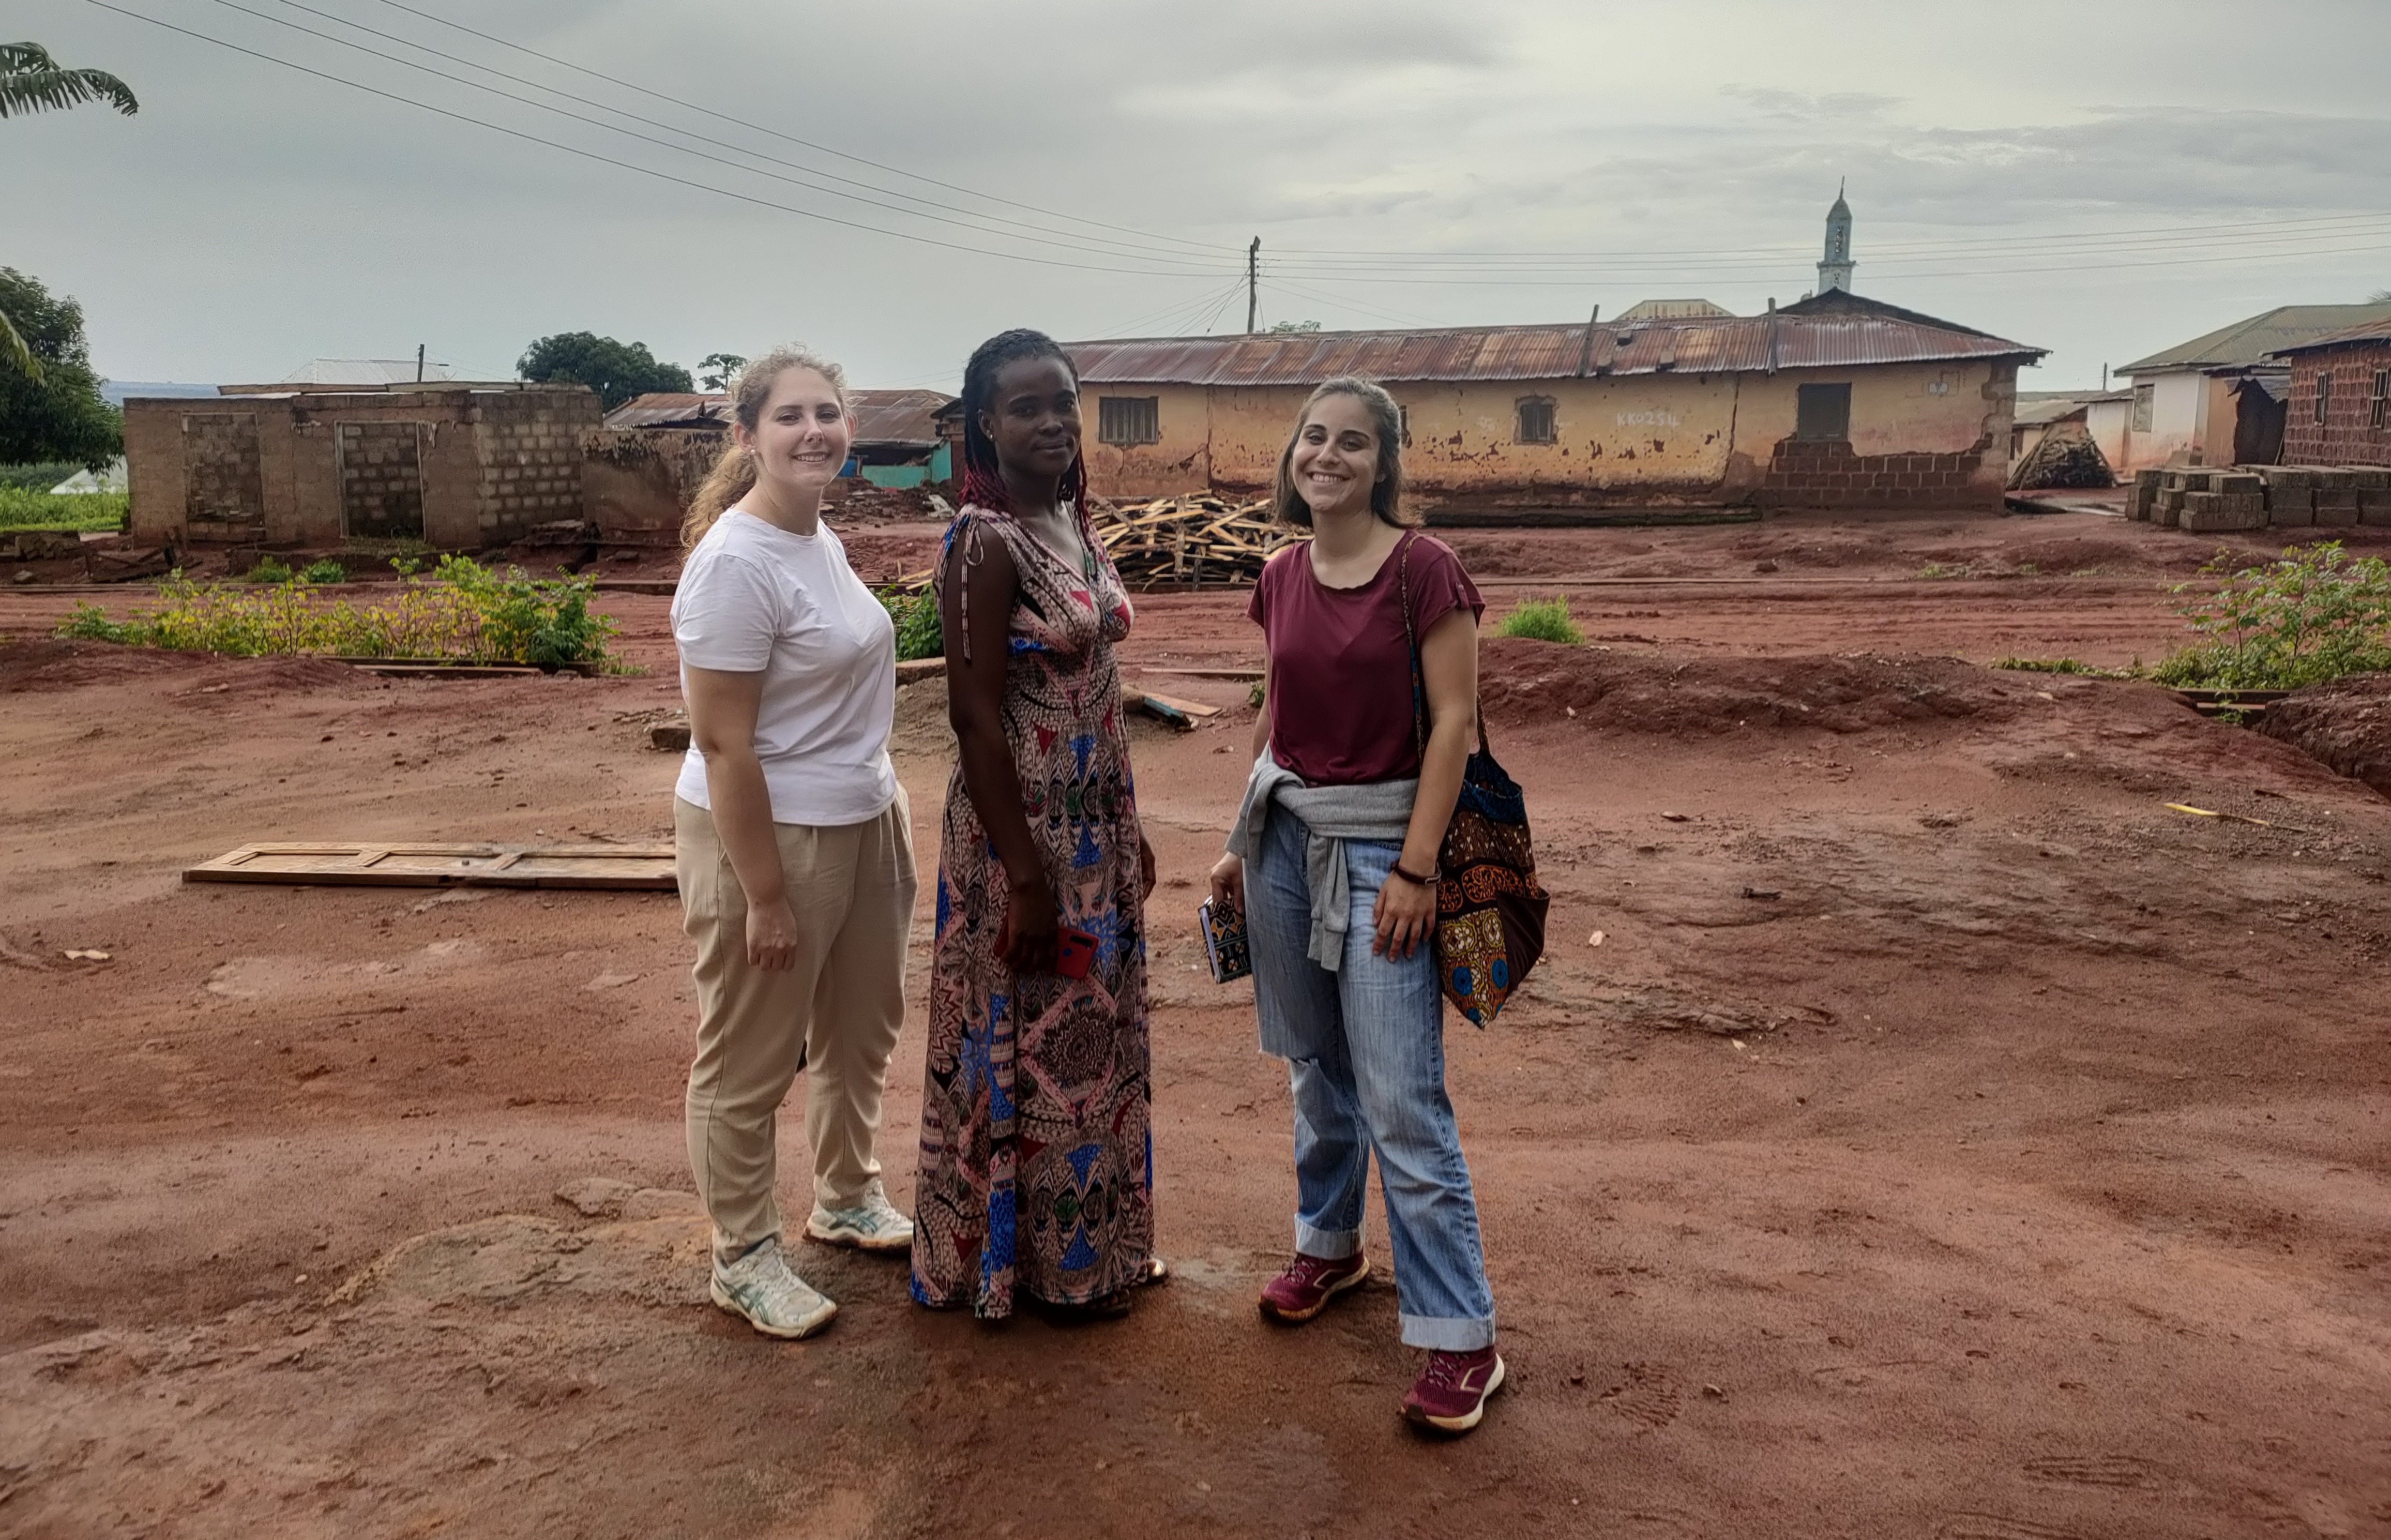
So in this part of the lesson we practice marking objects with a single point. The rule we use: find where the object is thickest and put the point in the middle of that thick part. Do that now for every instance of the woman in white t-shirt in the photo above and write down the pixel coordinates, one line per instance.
(795, 849)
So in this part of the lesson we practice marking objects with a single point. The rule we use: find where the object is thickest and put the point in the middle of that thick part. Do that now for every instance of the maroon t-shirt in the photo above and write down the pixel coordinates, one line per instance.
(1340, 670)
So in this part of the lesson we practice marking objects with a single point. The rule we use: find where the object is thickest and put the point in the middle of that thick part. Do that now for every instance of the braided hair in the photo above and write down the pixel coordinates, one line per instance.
(983, 480)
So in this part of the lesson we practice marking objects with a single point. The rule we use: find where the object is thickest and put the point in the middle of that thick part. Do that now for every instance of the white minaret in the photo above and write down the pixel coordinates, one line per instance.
(1835, 269)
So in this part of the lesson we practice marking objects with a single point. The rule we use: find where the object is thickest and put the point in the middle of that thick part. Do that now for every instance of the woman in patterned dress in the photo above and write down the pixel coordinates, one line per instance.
(1037, 1176)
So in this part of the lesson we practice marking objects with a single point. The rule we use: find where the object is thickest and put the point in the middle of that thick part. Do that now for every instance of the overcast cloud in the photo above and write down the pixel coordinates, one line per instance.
(252, 217)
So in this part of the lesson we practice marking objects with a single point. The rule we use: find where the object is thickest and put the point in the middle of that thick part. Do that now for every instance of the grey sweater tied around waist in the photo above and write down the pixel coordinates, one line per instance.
(1378, 812)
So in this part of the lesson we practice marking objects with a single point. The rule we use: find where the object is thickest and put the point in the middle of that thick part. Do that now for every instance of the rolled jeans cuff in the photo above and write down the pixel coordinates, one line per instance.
(1328, 1245)
(1447, 1333)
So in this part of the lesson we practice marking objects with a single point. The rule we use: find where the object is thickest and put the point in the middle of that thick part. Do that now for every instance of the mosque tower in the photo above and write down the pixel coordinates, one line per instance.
(1835, 269)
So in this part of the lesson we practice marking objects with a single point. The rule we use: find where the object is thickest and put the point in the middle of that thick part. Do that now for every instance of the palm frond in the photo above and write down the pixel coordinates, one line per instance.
(15, 350)
(30, 80)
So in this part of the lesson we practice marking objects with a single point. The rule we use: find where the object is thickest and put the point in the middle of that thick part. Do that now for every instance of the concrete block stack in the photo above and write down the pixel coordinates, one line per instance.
(2261, 496)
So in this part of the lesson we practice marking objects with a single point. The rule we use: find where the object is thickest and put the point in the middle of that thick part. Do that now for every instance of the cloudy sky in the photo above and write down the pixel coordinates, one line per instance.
(893, 181)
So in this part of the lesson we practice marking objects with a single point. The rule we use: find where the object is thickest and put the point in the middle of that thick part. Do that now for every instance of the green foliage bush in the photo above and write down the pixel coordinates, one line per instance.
(38, 477)
(269, 569)
(916, 614)
(2314, 615)
(463, 610)
(23, 508)
(1542, 620)
(325, 571)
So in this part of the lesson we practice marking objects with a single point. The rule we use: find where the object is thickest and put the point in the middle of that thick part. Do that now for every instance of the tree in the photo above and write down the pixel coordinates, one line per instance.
(54, 412)
(30, 80)
(617, 371)
(715, 371)
(1295, 325)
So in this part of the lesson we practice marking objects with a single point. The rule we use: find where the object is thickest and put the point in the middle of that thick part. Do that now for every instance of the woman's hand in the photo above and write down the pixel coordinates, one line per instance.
(1026, 938)
(1229, 883)
(1146, 866)
(771, 937)
(1404, 917)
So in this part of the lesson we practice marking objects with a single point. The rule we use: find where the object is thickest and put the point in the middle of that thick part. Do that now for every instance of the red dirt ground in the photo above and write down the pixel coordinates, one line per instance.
(1945, 1138)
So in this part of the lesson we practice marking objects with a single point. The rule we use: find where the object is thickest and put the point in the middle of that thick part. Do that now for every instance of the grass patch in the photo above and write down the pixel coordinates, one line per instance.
(38, 477)
(2060, 665)
(21, 508)
(1543, 620)
(2315, 614)
(1938, 569)
(463, 610)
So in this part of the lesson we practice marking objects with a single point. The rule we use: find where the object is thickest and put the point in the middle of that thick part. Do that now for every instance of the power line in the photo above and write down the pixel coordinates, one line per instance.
(629, 165)
(790, 138)
(1043, 238)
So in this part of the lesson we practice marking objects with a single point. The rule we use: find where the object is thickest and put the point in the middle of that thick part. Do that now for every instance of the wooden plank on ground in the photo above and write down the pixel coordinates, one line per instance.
(360, 864)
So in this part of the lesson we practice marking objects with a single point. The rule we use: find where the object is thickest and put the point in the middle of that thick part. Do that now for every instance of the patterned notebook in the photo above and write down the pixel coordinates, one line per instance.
(1225, 944)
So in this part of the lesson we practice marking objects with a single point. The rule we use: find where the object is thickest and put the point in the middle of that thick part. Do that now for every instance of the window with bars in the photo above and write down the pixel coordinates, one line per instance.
(2146, 400)
(2323, 394)
(2379, 409)
(1822, 412)
(1538, 421)
(1128, 420)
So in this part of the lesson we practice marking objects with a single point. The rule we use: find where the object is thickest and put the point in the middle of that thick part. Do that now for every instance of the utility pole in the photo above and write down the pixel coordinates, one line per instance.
(1253, 279)
(418, 363)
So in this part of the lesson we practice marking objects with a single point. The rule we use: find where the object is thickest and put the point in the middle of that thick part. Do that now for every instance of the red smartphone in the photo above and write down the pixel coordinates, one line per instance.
(1075, 953)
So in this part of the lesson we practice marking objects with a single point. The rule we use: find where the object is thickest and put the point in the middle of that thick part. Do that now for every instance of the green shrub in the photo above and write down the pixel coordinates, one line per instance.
(916, 615)
(36, 478)
(2315, 614)
(325, 571)
(21, 508)
(269, 569)
(463, 610)
(1542, 620)
(2059, 665)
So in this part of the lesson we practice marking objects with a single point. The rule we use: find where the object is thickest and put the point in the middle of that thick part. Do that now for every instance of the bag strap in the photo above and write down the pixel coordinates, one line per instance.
(1419, 671)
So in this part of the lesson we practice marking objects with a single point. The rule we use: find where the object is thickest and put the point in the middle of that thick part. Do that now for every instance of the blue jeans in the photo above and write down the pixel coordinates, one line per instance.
(1372, 1079)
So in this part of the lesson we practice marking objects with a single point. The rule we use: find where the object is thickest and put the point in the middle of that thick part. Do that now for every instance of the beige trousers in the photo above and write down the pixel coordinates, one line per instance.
(835, 1014)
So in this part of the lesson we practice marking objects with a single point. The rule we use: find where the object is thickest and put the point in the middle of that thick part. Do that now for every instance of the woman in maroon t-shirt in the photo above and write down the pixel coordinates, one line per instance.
(1334, 863)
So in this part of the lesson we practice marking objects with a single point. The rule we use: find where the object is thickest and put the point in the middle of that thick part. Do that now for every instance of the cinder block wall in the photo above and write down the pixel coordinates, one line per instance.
(2348, 436)
(529, 447)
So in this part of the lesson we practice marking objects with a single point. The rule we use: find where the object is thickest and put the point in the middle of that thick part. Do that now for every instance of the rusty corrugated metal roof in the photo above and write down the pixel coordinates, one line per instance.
(1855, 334)
(671, 409)
(883, 419)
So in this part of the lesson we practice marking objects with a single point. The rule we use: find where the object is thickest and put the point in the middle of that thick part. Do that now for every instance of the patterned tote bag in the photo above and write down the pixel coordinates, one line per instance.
(1490, 919)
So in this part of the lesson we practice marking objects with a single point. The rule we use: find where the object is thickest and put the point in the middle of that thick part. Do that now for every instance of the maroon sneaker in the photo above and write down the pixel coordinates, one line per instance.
(1449, 1396)
(1309, 1283)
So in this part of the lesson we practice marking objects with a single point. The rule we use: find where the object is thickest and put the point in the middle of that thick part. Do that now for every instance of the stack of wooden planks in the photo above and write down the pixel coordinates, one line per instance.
(1193, 539)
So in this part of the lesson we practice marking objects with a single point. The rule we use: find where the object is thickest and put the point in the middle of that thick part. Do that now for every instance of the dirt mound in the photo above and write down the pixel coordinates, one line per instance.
(1531, 682)
(2345, 724)
(52, 665)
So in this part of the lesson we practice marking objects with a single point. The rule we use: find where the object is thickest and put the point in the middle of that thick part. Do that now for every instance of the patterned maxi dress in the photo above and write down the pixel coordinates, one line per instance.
(1037, 1155)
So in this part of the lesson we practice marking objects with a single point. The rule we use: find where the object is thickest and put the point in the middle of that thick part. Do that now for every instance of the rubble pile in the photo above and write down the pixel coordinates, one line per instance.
(1193, 539)
(2262, 496)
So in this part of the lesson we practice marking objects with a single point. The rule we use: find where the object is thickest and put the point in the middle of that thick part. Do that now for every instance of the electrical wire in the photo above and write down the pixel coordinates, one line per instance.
(790, 138)
(1068, 237)
(626, 166)
(1044, 239)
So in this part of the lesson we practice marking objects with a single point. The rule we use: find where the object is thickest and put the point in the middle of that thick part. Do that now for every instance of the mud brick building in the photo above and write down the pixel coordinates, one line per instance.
(456, 465)
(2338, 408)
(1835, 401)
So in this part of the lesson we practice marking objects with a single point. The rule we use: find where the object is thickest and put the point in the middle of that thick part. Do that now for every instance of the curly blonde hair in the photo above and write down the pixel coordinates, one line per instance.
(733, 475)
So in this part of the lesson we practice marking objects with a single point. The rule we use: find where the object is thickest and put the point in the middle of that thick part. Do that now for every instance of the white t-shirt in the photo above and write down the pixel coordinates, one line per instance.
(753, 597)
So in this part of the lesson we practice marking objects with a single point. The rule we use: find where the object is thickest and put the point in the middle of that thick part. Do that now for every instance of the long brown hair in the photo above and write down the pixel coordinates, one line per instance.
(1385, 418)
(733, 475)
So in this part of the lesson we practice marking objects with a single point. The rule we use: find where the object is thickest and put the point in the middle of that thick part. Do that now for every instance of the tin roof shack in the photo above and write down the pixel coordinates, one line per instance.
(2101, 416)
(2338, 407)
(459, 466)
(2186, 411)
(1835, 401)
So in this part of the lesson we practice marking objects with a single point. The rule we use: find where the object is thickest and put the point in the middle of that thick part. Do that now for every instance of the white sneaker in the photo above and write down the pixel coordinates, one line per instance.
(875, 1226)
(761, 1286)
